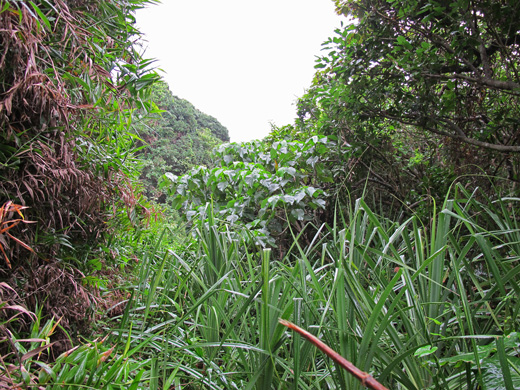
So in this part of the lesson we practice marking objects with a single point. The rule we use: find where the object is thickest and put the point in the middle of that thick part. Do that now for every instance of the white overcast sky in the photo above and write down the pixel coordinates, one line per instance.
(244, 62)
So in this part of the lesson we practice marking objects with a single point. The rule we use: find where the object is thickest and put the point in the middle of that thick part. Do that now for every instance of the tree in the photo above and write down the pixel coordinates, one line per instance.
(440, 73)
(177, 139)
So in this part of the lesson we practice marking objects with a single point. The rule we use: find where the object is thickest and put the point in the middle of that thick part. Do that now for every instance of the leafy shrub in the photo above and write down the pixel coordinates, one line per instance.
(70, 78)
(265, 189)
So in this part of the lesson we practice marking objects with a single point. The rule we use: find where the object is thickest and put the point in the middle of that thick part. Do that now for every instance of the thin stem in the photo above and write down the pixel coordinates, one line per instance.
(366, 379)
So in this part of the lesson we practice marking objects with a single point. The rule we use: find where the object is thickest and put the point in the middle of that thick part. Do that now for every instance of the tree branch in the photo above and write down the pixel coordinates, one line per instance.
(496, 84)
(459, 134)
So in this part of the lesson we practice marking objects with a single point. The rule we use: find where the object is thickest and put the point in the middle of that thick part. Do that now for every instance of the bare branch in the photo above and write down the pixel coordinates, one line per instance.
(366, 379)
(496, 84)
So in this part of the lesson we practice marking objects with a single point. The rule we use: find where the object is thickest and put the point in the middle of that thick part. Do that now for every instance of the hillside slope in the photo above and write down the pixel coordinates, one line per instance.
(176, 140)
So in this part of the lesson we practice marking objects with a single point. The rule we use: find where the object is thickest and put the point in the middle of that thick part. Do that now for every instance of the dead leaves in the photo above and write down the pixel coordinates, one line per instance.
(10, 216)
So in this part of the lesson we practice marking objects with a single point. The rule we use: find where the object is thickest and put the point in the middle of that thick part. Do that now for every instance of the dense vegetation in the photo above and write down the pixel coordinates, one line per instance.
(384, 220)
(177, 139)
(424, 93)
(70, 81)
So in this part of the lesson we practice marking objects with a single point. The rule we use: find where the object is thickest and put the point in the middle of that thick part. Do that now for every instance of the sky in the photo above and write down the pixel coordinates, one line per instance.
(244, 62)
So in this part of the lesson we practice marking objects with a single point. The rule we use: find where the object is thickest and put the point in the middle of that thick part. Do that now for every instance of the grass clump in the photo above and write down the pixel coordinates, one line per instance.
(416, 306)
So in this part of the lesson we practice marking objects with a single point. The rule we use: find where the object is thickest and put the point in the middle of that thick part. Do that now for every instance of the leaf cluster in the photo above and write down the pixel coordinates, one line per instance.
(263, 187)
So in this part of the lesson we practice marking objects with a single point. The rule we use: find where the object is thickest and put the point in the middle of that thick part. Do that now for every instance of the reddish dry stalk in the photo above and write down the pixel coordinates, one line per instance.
(6, 211)
(366, 379)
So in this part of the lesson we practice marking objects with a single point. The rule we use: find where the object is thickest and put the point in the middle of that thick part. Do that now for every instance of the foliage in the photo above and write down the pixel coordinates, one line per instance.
(417, 307)
(93, 365)
(264, 188)
(422, 301)
(178, 139)
(7, 212)
(446, 67)
(69, 79)
(422, 93)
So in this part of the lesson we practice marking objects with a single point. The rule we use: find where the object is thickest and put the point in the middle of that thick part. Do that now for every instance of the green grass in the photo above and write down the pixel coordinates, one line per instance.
(418, 306)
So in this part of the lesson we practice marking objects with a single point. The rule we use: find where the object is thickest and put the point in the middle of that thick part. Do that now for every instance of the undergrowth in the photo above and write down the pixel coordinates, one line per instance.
(418, 306)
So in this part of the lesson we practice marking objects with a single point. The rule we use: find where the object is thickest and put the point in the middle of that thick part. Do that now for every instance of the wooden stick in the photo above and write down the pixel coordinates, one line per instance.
(366, 379)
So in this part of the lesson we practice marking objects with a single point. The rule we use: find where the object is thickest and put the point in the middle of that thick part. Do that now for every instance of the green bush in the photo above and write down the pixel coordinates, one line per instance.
(263, 188)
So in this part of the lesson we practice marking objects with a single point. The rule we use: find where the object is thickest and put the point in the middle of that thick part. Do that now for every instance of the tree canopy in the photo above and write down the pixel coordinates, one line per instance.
(431, 83)
(450, 68)
(177, 139)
